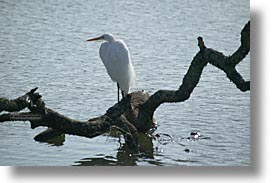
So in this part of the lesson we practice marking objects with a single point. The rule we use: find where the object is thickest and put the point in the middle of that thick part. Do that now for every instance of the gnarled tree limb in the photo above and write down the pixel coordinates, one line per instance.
(191, 79)
(134, 113)
(118, 115)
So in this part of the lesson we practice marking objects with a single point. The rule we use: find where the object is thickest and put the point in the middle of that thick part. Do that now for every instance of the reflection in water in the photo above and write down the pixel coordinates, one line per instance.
(54, 141)
(125, 156)
(129, 157)
(51, 136)
(150, 145)
(57, 141)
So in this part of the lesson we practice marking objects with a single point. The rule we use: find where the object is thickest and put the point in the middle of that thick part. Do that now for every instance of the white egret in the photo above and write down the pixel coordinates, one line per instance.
(116, 58)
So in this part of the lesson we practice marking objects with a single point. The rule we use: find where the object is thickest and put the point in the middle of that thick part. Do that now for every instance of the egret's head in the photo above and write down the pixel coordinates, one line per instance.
(106, 37)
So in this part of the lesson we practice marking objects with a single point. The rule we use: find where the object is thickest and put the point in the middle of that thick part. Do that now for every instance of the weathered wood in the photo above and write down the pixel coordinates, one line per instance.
(192, 77)
(13, 105)
(120, 115)
(134, 113)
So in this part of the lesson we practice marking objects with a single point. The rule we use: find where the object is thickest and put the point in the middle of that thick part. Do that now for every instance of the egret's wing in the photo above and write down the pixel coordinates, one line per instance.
(116, 58)
(104, 54)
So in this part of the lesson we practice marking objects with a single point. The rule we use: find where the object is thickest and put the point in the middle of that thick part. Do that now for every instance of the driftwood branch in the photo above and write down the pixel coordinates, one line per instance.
(191, 79)
(134, 113)
(120, 116)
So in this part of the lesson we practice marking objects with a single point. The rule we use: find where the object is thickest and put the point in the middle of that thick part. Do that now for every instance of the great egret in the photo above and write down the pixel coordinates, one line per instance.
(116, 58)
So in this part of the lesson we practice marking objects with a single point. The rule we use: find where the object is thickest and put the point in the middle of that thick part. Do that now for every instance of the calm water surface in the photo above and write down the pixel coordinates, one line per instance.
(43, 44)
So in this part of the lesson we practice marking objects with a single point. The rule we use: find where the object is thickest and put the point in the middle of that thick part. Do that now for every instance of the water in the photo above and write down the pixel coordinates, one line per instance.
(43, 44)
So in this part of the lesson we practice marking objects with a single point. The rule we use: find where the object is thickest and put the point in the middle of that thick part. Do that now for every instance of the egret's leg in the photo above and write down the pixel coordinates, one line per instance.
(117, 92)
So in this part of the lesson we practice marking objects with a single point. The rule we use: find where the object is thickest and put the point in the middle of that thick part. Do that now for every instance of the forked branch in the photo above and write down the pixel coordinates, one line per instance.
(134, 113)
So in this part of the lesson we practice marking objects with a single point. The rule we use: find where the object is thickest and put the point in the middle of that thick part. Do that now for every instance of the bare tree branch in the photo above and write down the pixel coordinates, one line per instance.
(134, 113)
(191, 79)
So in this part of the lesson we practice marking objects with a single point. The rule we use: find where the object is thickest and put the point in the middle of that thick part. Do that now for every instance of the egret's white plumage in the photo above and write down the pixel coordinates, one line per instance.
(116, 58)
